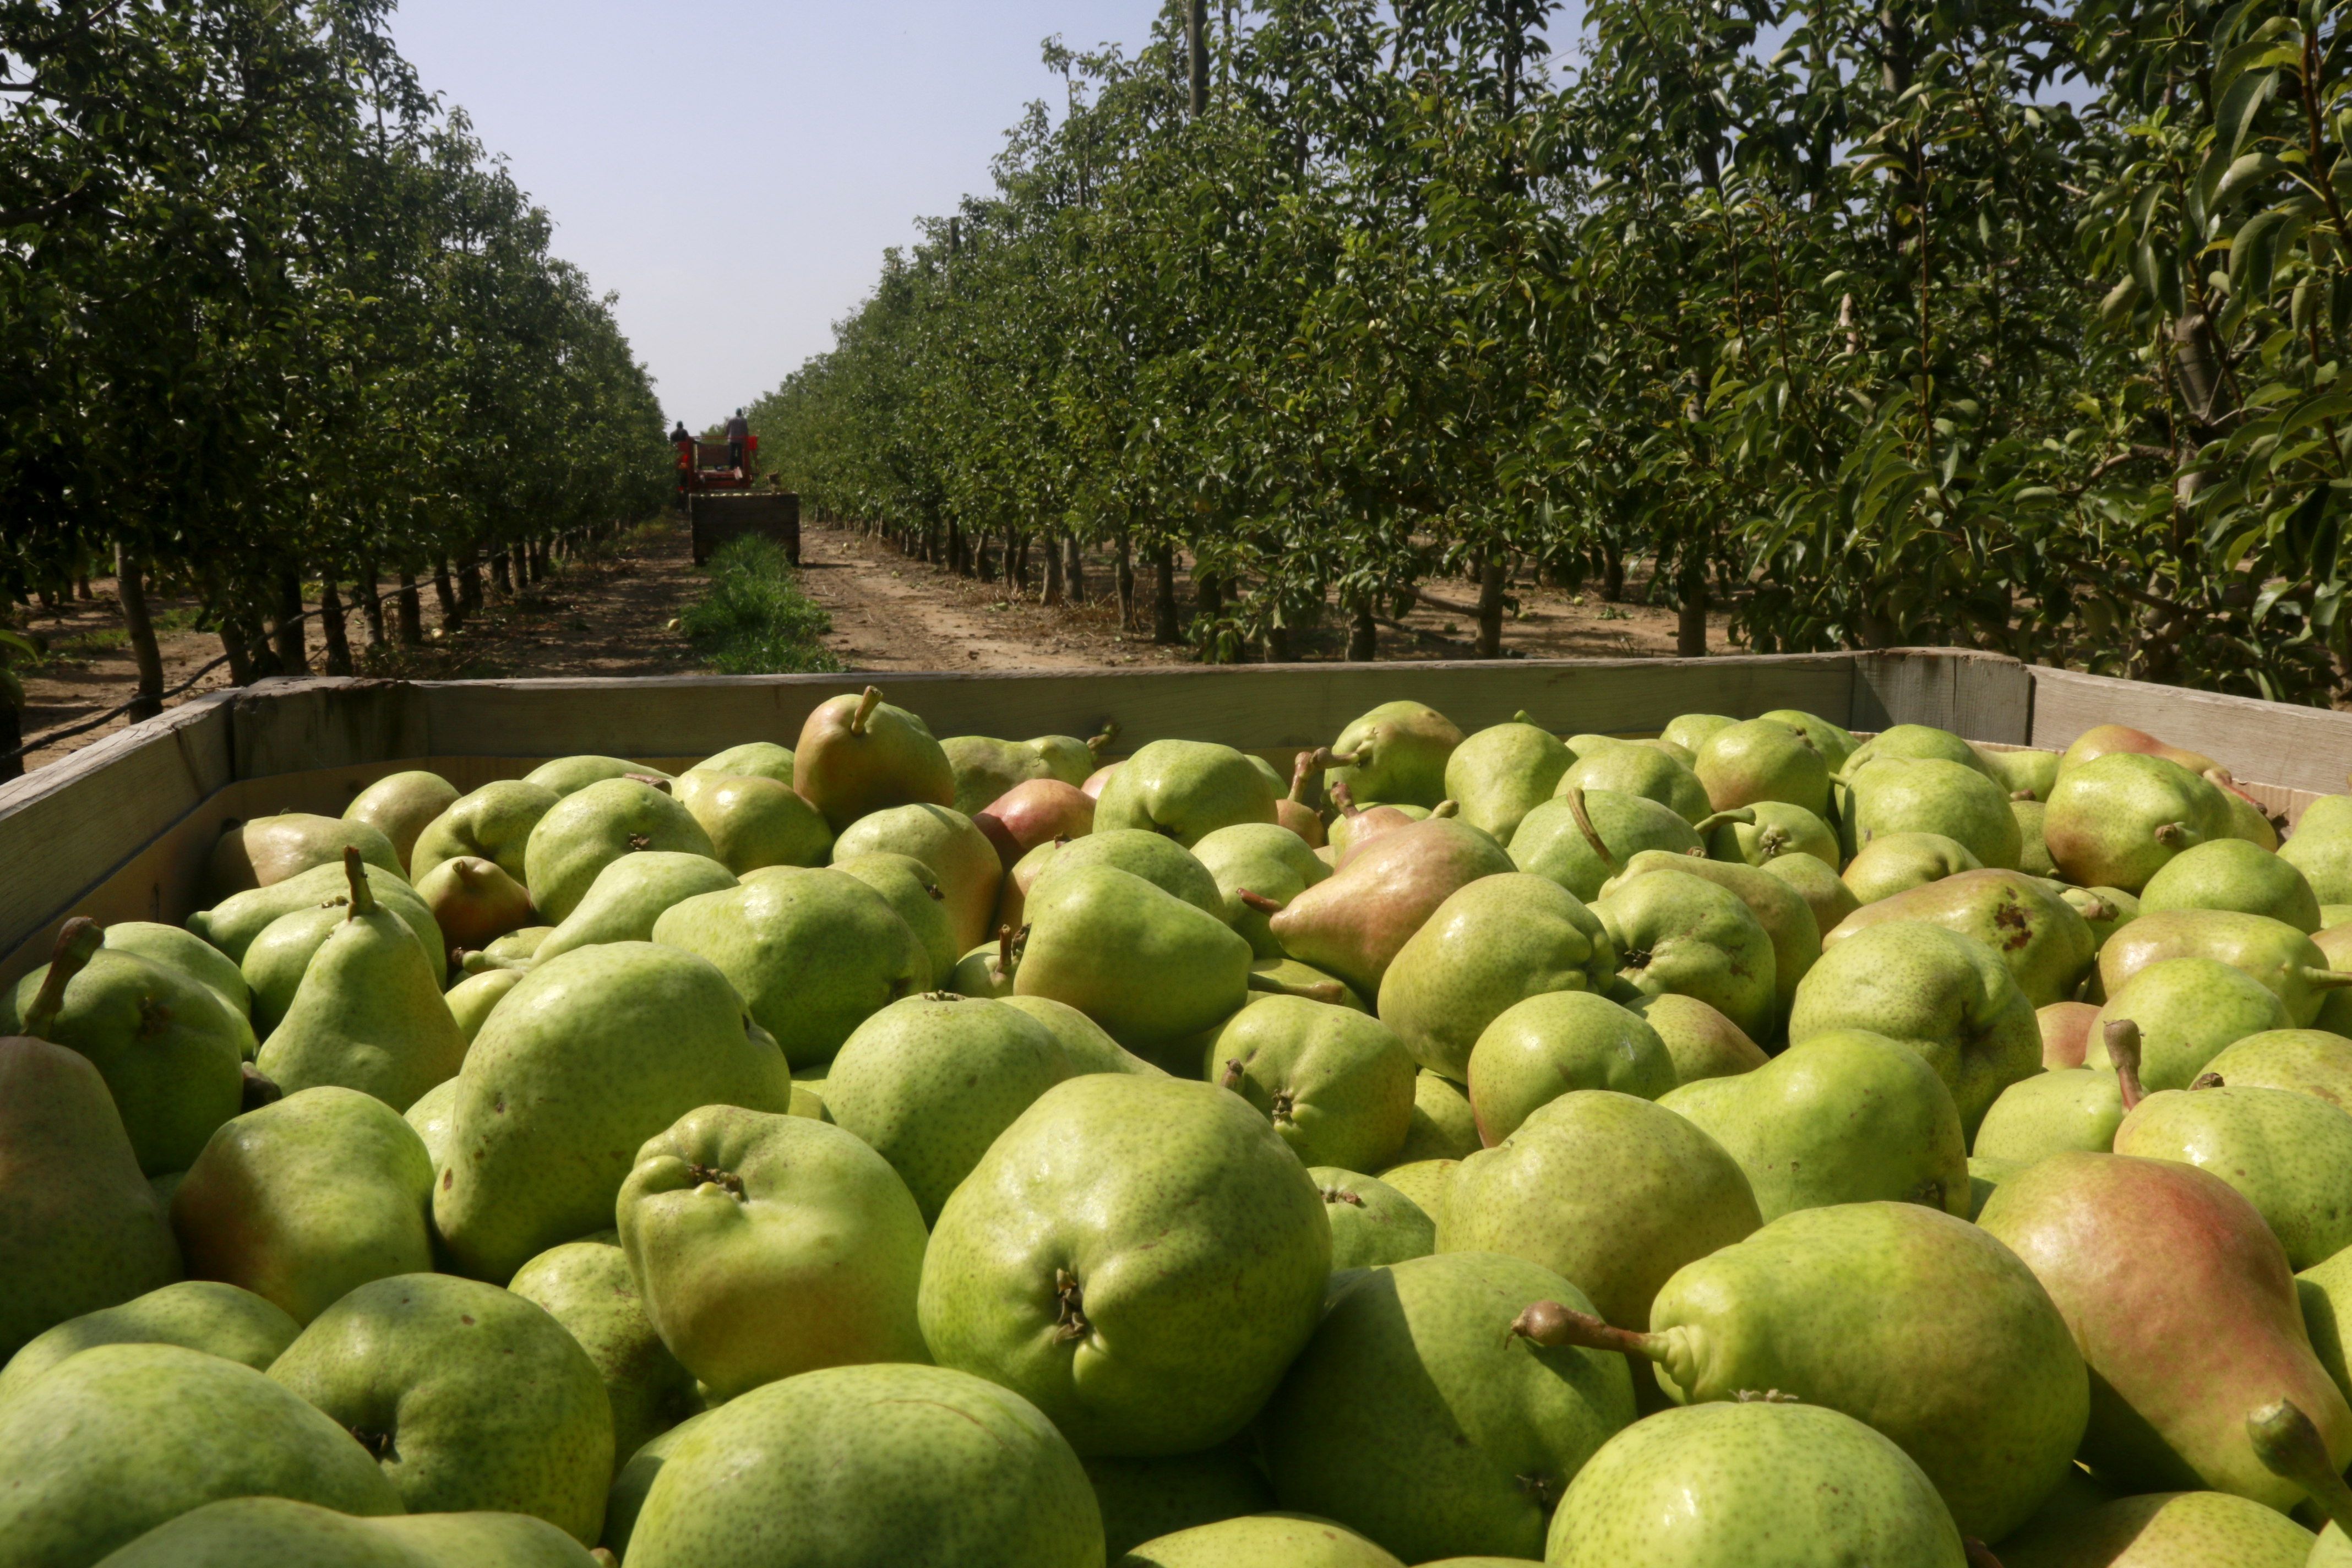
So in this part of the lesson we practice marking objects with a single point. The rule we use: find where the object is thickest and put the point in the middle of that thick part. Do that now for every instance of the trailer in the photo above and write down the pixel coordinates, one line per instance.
(122, 830)
(717, 516)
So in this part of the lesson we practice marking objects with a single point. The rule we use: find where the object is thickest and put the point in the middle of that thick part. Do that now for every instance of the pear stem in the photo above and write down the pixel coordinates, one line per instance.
(2326, 979)
(1341, 795)
(1446, 808)
(1311, 990)
(355, 872)
(2122, 1036)
(1575, 798)
(1980, 1555)
(2291, 1447)
(1524, 716)
(1325, 757)
(2172, 834)
(867, 700)
(1259, 902)
(1303, 770)
(1550, 1324)
(1743, 815)
(77, 942)
(1095, 743)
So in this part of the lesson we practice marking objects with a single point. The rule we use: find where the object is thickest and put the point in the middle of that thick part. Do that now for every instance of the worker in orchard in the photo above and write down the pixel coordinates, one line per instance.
(738, 431)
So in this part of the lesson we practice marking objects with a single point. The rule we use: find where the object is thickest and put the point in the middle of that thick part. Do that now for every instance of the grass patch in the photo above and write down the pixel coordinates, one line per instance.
(755, 620)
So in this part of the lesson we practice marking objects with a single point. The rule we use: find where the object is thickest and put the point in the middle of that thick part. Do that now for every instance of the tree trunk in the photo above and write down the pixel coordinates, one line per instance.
(469, 583)
(12, 735)
(535, 558)
(130, 589)
(452, 615)
(1125, 582)
(286, 638)
(1363, 635)
(371, 604)
(332, 629)
(408, 615)
(1163, 596)
(1209, 598)
(501, 579)
(1053, 594)
(1493, 576)
(81, 586)
(1690, 625)
(1613, 571)
(237, 647)
(1074, 570)
(1275, 640)
(1016, 559)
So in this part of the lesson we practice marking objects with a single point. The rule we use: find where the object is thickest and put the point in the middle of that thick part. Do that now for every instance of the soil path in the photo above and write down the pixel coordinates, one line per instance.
(611, 614)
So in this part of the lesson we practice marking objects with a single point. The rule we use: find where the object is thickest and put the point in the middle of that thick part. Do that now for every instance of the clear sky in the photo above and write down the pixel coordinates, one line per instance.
(734, 169)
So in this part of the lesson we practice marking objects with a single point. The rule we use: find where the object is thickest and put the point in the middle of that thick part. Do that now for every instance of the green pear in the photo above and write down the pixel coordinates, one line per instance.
(593, 827)
(570, 775)
(1143, 1499)
(1610, 1190)
(276, 960)
(2187, 1010)
(2075, 1109)
(1846, 1116)
(272, 849)
(2310, 1061)
(2232, 874)
(1785, 916)
(2165, 1529)
(1834, 743)
(2251, 821)
(752, 759)
(432, 1117)
(1503, 773)
(2105, 910)
(2289, 1155)
(1555, 1044)
(1355, 826)
(858, 755)
(1913, 1321)
(912, 1464)
(2027, 772)
(986, 768)
(591, 1055)
(2117, 820)
(1260, 1541)
(1147, 967)
(1086, 1044)
(1372, 1224)
(1397, 753)
(1337, 1085)
(369, 1014)
(1491, 944)
(80, 1227)
(1442, 1126)
(1894, 863)
(1425, 1182)
(1914, 742)
(1814, 880)
(473, 901)
(1764, 1484)
(170, 1051)
(2286, 961)
(195, 1314)
(174, 948)
(1416, 1416)
(1639, 770)
(814, 954)
(1186, 790)
(1763, 760)
(1928, 794)
(2032, 838)
(235, 924)
(635, 1478)
(2324, 1292)
(944, 839)
(400, 806)
(930, 1080)
(471, 1397)
(493, 822)
(303, 1201)
(1765, 829)
(1700, 1041)
(2045, 942)
(1159, 860)
(1259, 866)
(988, 969)
(470, 1002)
(585, 1285)
(236, 1532)
(767, 1246)
(124, 1438)
(629, 895)
(913, 890)
(1681, 933)
(2065, 1032)
(1198, 1227)
(754, 821)
(2321, 847)
(1690, 730)
(2170, 1395)
(1581, 838)
(1948, 996)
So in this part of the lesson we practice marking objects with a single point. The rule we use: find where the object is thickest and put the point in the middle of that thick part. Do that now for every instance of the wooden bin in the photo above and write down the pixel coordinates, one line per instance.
(120, 830)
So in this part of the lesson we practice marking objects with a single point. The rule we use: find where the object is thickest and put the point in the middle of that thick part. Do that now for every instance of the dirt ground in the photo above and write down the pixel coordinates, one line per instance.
(611, 616)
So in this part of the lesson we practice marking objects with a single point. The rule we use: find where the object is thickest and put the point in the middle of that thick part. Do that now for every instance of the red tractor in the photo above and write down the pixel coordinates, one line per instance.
(715, 465)
(714, 486)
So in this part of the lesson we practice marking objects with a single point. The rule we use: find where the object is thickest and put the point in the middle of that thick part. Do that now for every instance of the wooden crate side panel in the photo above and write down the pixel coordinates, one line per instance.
(70, 826)
(1981, 696)
(2306, 749)
(288, 727)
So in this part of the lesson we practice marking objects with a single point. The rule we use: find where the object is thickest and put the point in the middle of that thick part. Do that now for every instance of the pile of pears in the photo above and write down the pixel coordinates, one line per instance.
(1752, 1146)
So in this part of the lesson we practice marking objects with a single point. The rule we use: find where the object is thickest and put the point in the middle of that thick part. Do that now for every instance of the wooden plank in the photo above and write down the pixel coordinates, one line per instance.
(295, 725)
(71, 825)
(2306, 749)
(1982, 696)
